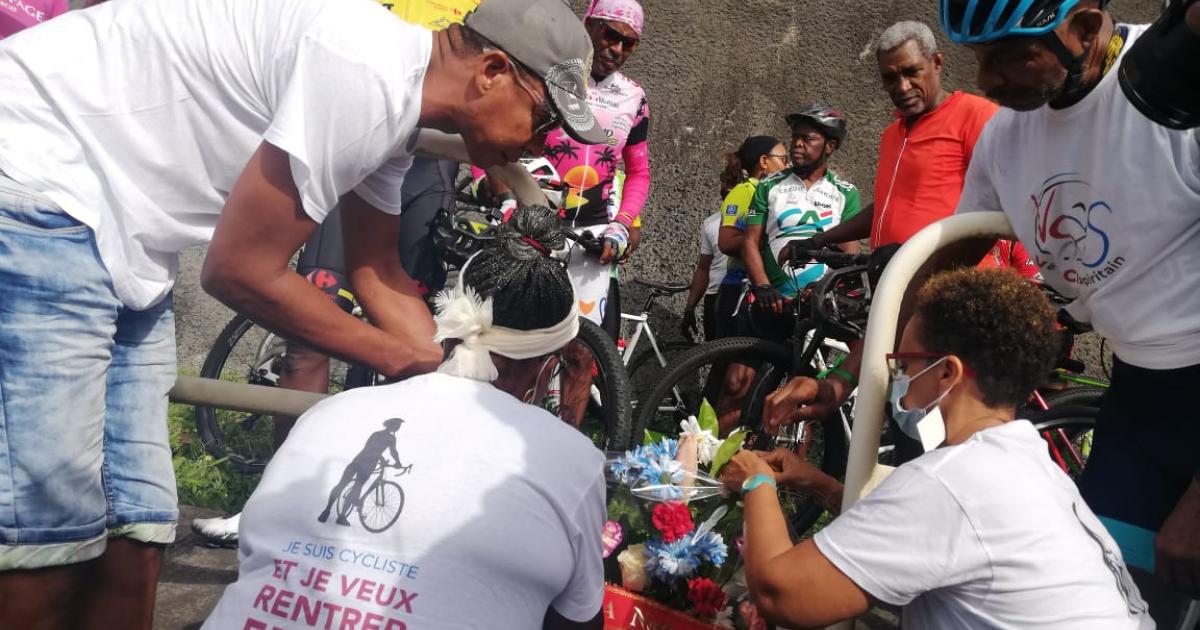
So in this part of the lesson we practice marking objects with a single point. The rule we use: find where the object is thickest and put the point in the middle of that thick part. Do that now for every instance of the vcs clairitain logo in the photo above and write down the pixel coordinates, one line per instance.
(1071, 229)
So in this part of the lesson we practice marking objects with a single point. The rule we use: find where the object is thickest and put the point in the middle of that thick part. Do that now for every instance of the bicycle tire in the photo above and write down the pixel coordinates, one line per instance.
(644, 370)
(688, 365)
(616, 408)
(1075, 396)
(253, 452)
(1071, 427)
(827, 435)
(377, 526)
(208, 425)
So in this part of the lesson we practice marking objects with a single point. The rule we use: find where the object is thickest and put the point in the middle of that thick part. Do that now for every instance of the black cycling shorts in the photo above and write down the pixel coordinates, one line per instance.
(428, 187)
(1144, 453)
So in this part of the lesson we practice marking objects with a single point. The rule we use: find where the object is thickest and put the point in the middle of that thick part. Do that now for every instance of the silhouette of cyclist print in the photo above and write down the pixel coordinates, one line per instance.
(360, 469)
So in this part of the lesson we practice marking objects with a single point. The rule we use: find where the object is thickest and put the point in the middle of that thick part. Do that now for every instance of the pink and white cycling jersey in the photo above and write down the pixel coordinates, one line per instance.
(619, 104)
(18, 15)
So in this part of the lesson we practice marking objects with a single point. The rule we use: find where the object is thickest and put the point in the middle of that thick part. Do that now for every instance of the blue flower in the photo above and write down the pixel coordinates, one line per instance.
(650, 465)
(668, 561)
(709, 545)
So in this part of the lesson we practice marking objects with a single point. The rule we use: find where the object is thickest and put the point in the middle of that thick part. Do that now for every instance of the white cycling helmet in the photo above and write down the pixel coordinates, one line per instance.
(546, 176)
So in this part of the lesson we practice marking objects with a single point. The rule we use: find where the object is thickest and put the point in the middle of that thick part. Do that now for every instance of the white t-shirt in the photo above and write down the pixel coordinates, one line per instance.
(500, 517)
(136, 117)
(709, 231)
(986, 534)
(1108, 205)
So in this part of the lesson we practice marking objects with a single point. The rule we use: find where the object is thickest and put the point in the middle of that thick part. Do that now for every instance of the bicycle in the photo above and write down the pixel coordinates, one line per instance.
(837, 306)
(246, 352)
(381, 501)
(646, 367)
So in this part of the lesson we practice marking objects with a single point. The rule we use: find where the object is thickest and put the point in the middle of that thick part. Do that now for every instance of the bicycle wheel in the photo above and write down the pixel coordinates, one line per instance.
(1077, 396)
(1068, 432)
(246, 353)
(600, 405)
(820, 443)
(381, 505)
(645, 370)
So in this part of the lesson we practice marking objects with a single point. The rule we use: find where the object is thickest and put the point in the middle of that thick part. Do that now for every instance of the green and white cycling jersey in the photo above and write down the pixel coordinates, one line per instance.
(788, 209)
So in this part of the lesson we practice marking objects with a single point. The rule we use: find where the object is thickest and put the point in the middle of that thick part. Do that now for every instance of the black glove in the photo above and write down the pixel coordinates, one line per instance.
(790, 251)
(879, 259)
(687, 327)
(767, 298)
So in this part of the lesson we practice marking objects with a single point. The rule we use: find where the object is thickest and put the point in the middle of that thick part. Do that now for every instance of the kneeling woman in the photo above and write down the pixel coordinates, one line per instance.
(983, 532)
(447, 500)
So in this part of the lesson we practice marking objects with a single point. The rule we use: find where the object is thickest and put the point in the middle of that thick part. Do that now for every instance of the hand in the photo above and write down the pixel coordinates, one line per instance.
(745, 464)
(767, 298)
(1177, 546)
(608, 253)
(802, 398)
(791, 251)
(635, 241)
(688, 327)
(880, 257)
(791, 470)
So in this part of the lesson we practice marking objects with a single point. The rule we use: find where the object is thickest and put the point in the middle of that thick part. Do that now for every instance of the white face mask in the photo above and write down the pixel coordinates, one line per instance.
(908, 419)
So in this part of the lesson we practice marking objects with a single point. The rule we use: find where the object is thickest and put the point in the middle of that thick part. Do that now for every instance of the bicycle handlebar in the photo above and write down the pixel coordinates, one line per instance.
(586, 240)
(832, 258)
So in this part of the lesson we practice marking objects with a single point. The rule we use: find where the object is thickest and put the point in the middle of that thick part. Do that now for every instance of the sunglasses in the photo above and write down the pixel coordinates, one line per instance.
(613, 36)
(898, 362)
(544, 112)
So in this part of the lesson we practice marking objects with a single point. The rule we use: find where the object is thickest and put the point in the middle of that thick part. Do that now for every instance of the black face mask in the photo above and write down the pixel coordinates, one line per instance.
(1159, 74)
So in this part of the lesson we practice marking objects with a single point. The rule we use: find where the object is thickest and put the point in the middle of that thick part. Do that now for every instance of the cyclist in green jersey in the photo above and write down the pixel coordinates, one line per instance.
(799, 202)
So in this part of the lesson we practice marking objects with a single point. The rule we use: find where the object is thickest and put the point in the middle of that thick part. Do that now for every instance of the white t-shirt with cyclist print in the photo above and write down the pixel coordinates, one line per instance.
(789, 209)
(494, 515)
(989, 533)
(1108, 204)
(143, 137)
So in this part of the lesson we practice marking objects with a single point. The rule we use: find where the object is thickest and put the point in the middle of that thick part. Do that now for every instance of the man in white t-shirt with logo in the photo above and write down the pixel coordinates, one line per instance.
(479, 508)
(1108, 204)
(134, 129)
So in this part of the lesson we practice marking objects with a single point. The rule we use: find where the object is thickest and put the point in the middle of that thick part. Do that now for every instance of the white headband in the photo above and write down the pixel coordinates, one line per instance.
(462, 315)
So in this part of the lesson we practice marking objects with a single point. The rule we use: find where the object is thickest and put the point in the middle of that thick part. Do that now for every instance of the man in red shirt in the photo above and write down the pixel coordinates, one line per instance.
(923, 156)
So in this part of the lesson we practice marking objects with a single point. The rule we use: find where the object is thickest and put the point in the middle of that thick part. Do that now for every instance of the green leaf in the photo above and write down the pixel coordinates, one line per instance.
(708, 418)
(727, 450)
(652, 437)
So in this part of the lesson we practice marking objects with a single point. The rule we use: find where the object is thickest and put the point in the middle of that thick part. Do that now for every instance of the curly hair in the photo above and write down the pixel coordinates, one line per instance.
(529, 290)
(1001, 326)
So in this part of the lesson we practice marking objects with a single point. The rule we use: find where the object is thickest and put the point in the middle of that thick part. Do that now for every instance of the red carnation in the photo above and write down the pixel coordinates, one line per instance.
(706, 597)
(673, 520)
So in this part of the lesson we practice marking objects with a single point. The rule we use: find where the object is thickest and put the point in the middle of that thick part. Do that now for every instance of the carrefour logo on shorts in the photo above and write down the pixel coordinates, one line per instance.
(1071, 231)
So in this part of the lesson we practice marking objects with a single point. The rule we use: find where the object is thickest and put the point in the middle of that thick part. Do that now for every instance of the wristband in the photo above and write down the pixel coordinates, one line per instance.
(837, 371)
(754, 481)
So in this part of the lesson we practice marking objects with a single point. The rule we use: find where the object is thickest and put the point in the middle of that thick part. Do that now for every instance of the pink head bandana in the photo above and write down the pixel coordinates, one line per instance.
(624, 11)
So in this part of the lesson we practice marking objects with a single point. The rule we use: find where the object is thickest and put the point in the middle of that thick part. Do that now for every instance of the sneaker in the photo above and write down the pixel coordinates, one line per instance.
(218, 532)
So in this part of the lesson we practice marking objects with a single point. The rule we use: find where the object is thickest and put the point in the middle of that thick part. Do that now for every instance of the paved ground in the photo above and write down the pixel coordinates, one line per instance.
(193, 577)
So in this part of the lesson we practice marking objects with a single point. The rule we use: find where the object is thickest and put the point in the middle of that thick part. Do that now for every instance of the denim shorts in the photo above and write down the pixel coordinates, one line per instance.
(83, 396)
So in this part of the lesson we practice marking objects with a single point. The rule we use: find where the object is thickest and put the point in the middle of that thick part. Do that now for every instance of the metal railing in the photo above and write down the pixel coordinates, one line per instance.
(881, 339)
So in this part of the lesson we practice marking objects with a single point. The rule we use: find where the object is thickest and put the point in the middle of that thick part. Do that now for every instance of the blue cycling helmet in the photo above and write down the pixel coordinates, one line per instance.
(983, 21)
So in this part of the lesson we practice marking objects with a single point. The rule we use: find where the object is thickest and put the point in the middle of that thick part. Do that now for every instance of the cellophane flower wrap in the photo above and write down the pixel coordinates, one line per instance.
(677, 524)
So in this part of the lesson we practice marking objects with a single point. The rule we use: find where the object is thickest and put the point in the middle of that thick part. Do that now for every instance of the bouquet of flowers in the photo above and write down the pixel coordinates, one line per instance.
(671, 526)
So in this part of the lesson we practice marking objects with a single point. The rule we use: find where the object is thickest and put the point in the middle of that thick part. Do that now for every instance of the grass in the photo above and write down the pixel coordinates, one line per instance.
(203, 480)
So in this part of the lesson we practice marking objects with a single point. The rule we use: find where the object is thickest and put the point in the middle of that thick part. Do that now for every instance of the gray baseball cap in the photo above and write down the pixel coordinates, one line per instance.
(549, 39)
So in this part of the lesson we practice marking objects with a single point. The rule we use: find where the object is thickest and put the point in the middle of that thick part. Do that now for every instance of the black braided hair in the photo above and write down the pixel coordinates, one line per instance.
(529, 290)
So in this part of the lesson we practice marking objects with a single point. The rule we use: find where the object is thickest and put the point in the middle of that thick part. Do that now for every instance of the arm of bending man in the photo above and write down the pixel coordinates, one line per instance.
(247, 269)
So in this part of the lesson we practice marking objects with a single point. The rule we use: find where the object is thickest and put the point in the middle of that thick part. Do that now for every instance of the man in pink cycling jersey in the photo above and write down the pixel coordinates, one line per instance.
(619, 104)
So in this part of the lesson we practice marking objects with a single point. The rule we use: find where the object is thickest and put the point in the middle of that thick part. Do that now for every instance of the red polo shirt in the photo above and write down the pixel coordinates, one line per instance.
(922, 168)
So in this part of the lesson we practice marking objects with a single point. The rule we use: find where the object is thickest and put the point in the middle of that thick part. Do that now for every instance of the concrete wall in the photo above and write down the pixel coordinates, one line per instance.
(715, 72)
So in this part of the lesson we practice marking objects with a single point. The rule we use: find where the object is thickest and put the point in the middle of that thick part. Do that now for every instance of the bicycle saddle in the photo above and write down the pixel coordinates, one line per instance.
(661, 286)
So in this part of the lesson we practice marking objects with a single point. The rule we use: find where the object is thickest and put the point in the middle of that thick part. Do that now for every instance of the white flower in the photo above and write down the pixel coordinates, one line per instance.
(706, 443)
(725, 618)
(633, 568)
